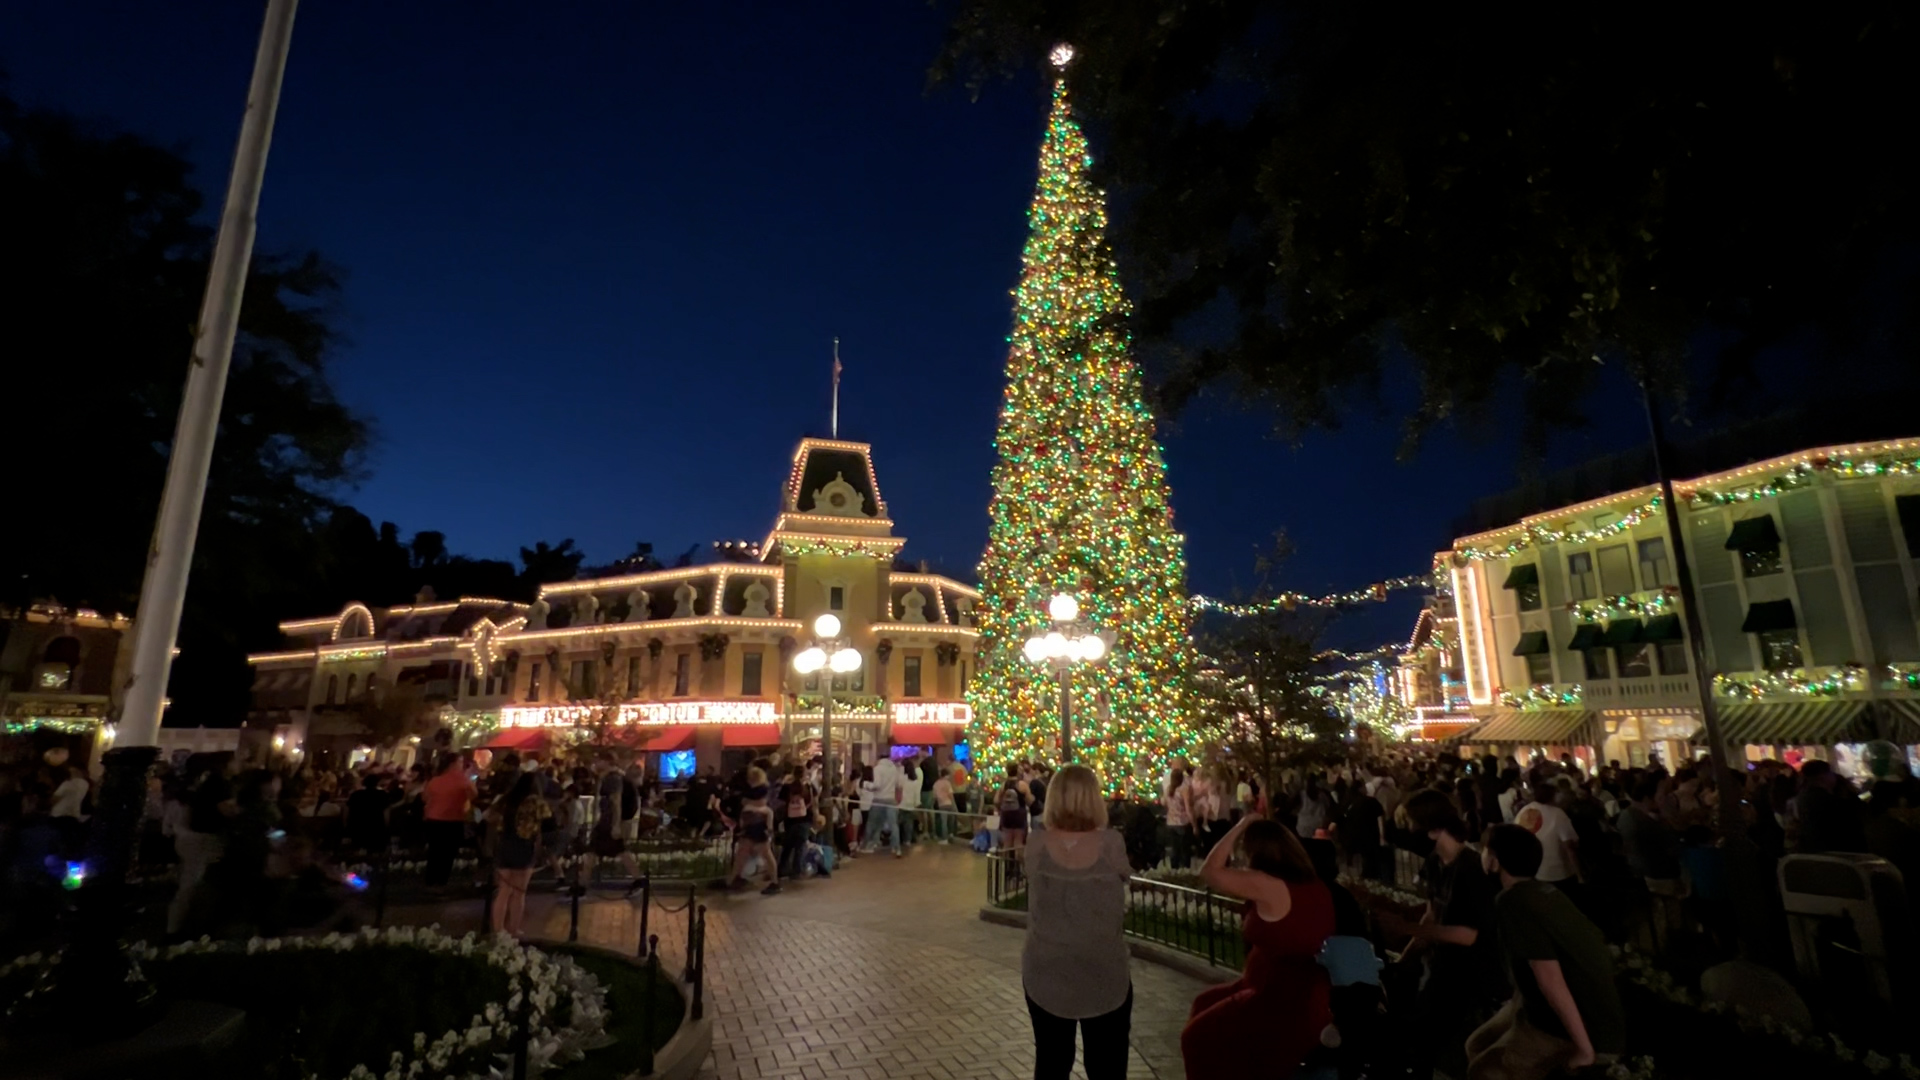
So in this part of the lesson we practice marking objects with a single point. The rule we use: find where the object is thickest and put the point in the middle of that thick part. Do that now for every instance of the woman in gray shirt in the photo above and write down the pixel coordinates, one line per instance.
(1075, 961)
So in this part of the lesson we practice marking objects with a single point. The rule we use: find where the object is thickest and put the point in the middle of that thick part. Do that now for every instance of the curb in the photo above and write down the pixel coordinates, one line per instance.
(683, 1055)
(1193, 967)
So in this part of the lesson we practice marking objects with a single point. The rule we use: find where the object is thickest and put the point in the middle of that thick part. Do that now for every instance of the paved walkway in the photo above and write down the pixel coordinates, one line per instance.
(884, 972)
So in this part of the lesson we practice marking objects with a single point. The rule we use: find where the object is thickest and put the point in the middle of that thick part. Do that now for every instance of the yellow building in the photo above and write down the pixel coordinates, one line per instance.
(690, 658)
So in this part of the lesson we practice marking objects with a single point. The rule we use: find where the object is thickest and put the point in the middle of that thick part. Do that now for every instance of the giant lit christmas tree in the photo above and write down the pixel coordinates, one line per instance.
(1079, 502)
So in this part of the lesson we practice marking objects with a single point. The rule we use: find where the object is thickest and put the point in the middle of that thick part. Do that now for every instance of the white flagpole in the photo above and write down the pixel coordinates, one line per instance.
(836, 388)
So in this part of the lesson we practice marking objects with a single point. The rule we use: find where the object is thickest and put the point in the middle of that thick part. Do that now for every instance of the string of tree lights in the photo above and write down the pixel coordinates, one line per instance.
(1291, 601)
(1079, 502)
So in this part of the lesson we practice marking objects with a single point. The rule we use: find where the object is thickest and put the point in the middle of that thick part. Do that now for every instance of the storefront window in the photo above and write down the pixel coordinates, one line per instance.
(1636, 661)
(1599, 667)
(1780, 649)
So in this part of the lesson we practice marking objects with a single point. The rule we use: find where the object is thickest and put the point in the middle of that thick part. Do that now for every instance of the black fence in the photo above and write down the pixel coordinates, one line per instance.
(1196, 921)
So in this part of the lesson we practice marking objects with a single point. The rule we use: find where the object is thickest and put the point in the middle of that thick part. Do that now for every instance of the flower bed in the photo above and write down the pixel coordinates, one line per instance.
(395, 1004)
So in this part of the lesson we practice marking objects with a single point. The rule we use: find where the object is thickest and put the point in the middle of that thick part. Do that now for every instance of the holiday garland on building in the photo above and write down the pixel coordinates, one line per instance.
(1079, 504)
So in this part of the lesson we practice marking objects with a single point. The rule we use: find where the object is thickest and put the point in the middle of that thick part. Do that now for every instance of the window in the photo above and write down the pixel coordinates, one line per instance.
(1758, 542)
(1616, 570)
(1673, 658)
(1524, 580)
(1780, 649)
(351, 681)
(582, 683)
(633, 676)
(750, 667)
(963, 676)
(373, 677)
(473, 682)
(1580, 583)
(1599, 664)
(1540, 669)
(533, 682)
(333, 689)
(1636, 661)
(493, 681)
(910, 677)
(1654, 571)
(836, 598)
(682, 674)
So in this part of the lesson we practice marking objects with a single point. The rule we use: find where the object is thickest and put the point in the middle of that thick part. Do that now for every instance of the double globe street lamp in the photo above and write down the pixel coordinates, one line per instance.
(1067, 644)
(830, 651)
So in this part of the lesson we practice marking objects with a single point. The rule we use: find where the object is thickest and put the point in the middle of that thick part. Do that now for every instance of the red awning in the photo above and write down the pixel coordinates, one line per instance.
(751, 734)
(519, 738)
(924, 734)
(664, 739)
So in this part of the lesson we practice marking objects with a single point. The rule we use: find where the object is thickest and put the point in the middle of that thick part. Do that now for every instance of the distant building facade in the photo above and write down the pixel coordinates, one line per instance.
(1572, 639)
(688, 658)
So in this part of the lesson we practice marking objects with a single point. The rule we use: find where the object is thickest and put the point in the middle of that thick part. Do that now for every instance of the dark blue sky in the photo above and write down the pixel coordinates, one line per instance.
(596, 253)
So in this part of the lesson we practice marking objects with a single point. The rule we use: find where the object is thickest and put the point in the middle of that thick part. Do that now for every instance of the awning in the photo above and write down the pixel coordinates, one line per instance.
(1622, 632)
(1769, 615)
(1585, 636)
(663, 740)
(1533, 643)
(751, 734)
(1908, 507)
(1903, 722)
(1754, 534)
(1523, 575)
(519, 738)
(925, 734)
(1663, 628)
(1531, 727)
(1794, 723)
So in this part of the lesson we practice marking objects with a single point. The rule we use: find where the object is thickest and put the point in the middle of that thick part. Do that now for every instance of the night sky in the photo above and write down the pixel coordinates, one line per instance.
(595, 259)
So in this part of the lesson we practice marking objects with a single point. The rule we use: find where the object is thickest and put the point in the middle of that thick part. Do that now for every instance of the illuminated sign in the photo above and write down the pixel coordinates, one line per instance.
(933, 712)
(660, 713)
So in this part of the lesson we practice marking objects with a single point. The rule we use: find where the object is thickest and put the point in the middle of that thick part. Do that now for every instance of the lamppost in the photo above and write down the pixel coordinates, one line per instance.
(1069, 642)
(830, 651)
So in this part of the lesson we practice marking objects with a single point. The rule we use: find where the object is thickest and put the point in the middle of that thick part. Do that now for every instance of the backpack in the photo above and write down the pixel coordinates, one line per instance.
(629, 800)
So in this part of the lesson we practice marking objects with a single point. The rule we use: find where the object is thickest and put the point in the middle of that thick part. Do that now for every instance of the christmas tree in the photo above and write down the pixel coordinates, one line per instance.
(1079, 503)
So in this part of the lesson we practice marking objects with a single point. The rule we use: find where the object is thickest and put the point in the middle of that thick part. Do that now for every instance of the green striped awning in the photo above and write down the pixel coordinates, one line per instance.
(1794, 723)
(1531, 727)
(1903, 722)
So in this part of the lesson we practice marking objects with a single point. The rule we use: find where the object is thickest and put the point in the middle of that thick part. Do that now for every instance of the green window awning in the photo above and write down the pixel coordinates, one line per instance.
(1622, 632)
(1794, 723)
(1908, 507)
(1902, 725)
(1769, 615)
(1663, 628)
(1754, 534)
(1533, 643)
(1585, 636)
(1533, 727)
(1523, 575)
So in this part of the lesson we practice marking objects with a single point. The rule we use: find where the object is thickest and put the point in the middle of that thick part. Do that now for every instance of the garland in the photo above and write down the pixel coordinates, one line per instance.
(1542, 697)
(1613, 607)
(1802, 474)
(1289, 601)
(1843, 679)
(1538, 535)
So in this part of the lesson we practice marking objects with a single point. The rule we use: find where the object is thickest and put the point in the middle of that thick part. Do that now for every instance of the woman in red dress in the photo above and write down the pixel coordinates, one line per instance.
(1263, 1024)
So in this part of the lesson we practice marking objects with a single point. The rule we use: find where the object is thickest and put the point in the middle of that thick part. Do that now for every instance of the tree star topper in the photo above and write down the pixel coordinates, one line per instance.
(1062, 55)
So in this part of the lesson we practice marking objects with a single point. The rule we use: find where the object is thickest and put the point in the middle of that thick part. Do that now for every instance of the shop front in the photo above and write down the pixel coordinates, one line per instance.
(1529, 735)
(1796, 732)
(1638, 738)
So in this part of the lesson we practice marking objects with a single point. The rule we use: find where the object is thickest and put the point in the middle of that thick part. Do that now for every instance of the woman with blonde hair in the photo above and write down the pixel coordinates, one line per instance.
(1074, 964)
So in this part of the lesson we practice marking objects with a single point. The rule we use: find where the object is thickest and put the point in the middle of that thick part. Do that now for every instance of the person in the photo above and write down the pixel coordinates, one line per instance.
(1074, 965)
(798, 826)
(609, 801)
(1362, 832)
(200, 835)
(1828, 811)
(521, 821)
(911, 781)
(756, 834)
(448, 797)
(1559, 841)
(1268, 1020)
(1565, 1013)
(1316, 810)
(886, 787)
(962, 788)
(1452, 944)
(1013, 816)
(367, 815)
(945, 807)
(1652, 848)
(1211, 806)
(71, 795)
(1179, 820)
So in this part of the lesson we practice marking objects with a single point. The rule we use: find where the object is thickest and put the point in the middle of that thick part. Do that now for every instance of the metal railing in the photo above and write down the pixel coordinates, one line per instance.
(1200, 922)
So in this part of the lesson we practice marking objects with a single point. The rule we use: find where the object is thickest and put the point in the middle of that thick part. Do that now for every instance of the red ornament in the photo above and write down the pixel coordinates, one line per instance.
(1820, 462)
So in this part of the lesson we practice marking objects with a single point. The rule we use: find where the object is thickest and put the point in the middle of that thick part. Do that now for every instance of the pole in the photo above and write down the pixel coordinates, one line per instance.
(1066, 713)
(164, 589)
(1743, 857)
(829, 781)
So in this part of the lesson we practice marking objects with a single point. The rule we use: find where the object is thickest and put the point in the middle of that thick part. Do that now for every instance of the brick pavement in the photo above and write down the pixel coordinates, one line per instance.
(884, 971)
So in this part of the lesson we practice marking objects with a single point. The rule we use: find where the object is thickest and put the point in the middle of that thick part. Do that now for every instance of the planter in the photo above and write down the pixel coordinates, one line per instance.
(679, 1057)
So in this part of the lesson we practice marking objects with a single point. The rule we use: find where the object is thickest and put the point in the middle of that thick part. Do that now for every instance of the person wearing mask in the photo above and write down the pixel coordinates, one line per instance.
(1268, 1020)
(447, 799)
(1074, 964)
(1458, 979)
(911, 782)
(886, 787)
(521, 822)
(1559, 842)
(1565, 1013)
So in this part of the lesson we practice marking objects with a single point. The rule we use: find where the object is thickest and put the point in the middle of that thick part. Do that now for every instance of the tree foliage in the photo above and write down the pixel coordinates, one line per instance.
(1317, 198)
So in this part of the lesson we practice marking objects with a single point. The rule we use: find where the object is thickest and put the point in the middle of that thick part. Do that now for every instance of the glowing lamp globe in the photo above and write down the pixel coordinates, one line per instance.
(810, 660)
(1058, 645)
(1092, 647)
(1063, 608)
(827, 625)
(845, 660)
(1036, 650)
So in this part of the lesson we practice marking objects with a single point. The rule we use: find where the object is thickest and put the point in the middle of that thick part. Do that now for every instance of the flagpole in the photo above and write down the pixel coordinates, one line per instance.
(836, 388)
